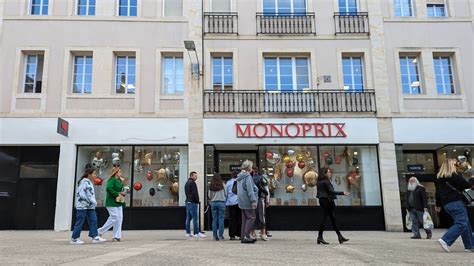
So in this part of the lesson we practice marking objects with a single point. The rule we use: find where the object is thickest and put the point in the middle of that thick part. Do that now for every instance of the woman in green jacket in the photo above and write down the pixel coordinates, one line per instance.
(114, 202)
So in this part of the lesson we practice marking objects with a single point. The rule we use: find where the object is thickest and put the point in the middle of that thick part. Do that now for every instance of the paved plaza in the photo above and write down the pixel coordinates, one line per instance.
(171, 248)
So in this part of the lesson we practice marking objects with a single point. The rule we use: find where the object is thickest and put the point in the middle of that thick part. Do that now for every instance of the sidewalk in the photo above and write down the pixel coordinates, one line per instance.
(171, 248)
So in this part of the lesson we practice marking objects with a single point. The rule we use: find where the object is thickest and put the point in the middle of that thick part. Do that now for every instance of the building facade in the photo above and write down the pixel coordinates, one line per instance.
(376, 90)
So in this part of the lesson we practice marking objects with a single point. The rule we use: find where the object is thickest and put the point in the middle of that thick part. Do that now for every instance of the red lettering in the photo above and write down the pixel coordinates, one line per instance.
(319, 128)
(279, 131)
(306, 128)
(329, 129)
(255, 132)
(240, 133)
(288, 133)
(340, 130)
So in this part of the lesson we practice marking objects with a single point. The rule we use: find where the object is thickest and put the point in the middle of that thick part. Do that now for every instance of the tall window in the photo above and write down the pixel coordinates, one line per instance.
(220, 5)
(444, 74)
(128, 8)
(286, 73)
(436, 8)
(82, 74)
(348, 6)
(39, 7)
(86, 7)
(33, 77)
(222, 77)
(410, 76)
(125, 74)
(173, 8)
(403, 8)
(284, 7)
(353, 73)
(173, 77)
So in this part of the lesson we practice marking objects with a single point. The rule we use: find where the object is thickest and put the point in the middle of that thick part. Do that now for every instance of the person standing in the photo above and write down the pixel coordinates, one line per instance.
(217, 194)
(114, 202)
(260, 212)
(85, 209)
(417, 204)
(449, 187)
(232, 202)
(192, 201)
(326, 196)
(247, 194)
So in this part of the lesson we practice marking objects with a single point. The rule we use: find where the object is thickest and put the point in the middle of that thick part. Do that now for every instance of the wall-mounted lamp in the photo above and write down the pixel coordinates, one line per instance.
(191, 47)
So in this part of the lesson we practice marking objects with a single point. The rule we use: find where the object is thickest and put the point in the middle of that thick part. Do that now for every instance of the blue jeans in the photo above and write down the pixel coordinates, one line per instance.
(192, 214)
(218, 208)
(461, 226)
(81, 216)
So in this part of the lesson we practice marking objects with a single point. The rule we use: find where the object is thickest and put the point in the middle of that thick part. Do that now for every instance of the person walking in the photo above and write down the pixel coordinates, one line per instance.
(217, 195)
(114, 202)
(416, 205)
(85, 209)
(449, 187)
(247, 194)
(326, 196)
(232, 203)
(192, 201)
(260, 212)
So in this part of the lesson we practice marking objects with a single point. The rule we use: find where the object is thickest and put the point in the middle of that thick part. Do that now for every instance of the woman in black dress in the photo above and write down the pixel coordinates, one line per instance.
(326, 196)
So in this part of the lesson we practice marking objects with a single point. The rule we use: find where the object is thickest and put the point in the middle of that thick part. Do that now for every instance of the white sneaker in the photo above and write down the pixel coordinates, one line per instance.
(189, 236)
(98, 239)
(444, 245)
(201, 235)
(264, 237)
(469, 250)
(76, 241)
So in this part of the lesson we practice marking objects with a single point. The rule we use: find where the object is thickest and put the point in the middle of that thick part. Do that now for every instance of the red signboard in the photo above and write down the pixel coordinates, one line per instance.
(291, 130)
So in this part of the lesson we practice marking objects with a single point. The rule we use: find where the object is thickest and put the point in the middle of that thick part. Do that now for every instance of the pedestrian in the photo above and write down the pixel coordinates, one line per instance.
(114, 202)
(449, 187)
(85, 208)
(192, 201)
(247, 194)
(217, 194)
(417, 205)
(232, 203)
(260, 212)
(326, 196)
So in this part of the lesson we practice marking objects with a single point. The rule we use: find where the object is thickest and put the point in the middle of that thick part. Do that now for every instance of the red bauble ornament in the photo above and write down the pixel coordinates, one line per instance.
(290, 172)
(137, 186)
(290, 164)
(269, 155)
(97, 181)
(301, 165)
(149, 175)
(326, 154)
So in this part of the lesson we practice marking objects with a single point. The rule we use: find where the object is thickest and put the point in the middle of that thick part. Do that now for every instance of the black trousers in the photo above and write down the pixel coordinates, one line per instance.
(328, 211)
(235, 220)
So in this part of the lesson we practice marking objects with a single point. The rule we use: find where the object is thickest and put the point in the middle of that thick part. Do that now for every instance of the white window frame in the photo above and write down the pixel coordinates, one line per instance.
(436, 16)
(347, 6)
(212, 6)
(222, 58)
(25, 66)
(292, 6)
(88, 5)
(444, 84)
(412, 9)
(163, 92)
(417, 57)
(163, 6)
(30, 8)
(352, 72)
(129, 6)
(126, 74)
(83, 72)
(293, 72)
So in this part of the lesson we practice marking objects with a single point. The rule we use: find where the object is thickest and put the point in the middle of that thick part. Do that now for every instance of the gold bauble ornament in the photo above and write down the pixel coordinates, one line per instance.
(286, 158)
(174, 188)
(310, 178)
(299, 157)
(289, 188)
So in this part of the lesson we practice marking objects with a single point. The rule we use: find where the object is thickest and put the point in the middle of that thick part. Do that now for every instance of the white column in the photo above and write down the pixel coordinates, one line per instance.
(65, 187)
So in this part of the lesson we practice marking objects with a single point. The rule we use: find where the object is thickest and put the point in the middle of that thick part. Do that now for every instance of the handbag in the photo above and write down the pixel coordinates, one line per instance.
(466, 198)
(427, 221)
(408, 221)
(234, 187)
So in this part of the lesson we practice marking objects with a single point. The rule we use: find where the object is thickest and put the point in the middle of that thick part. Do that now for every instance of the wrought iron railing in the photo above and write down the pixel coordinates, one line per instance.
(298, 24)
(351, 22)
(243, 101)
(221, 23)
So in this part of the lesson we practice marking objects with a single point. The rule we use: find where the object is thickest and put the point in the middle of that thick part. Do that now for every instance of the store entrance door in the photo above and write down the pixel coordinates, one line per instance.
(227, 161)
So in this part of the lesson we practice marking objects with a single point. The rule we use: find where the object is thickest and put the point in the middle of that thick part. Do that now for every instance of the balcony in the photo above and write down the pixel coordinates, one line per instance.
(320, 101)
(282, 24)
(351, 23)
(220, 23)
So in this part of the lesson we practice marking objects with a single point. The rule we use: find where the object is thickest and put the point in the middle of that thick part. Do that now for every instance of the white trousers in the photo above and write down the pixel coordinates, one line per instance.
(115, 220)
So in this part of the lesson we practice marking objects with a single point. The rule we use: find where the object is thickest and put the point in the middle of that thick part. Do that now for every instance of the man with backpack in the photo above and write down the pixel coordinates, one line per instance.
(232, 202)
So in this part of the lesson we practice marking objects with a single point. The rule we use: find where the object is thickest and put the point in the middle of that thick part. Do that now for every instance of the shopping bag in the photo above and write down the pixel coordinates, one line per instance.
(408, 221)
(427, 221)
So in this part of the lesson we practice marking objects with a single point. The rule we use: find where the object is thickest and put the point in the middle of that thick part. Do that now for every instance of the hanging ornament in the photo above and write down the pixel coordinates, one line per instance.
(355, 161)
(169, 174)
(116, 159)
(149, 175)
(277, 172)
(137, 166)
(98, 162)
(286, 158)
(289, 188)
(148, 158)
(467, 153)
(160, 187)
(299, 157)
(307, 153)
(269, 155)
(301, 165)
(152, 192)
(310, 178)
(137, 186)
(98, 181)
(329, 160)
(290, 164)
(160, 174)
(272, 184)
(273, 158)
(176, 156)
(338, 159)
(174, 188)
(304, 187)
(462, 158)
(326, 154)
(291, 152)
(290, 172)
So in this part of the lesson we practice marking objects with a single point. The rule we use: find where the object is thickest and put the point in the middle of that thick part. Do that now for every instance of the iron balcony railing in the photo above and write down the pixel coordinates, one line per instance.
(221, 23)
(243, 101)
(279, 24)
(351, 22)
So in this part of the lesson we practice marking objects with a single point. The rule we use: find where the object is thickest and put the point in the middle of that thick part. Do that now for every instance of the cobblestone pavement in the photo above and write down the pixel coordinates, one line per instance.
(171, 248)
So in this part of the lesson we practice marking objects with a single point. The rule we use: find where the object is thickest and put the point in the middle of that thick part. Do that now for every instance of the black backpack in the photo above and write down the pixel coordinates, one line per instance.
(234, 187)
